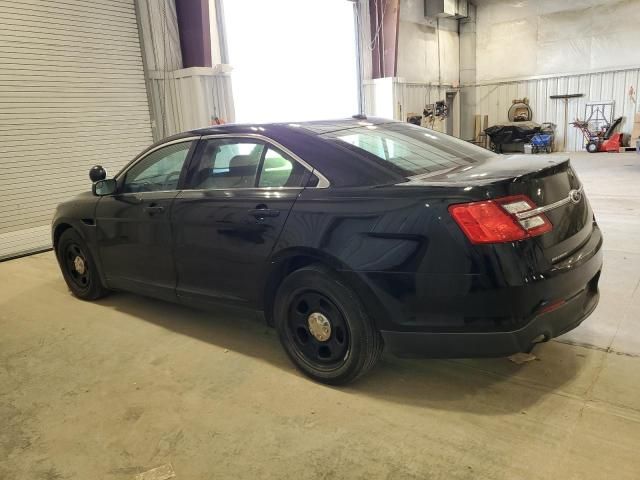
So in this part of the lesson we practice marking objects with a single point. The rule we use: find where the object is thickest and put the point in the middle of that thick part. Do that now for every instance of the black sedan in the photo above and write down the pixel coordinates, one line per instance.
(348, 235)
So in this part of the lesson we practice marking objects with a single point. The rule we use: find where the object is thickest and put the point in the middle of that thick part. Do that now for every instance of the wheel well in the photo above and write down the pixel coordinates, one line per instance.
(296, 262)
(284, 268)
(57, 233)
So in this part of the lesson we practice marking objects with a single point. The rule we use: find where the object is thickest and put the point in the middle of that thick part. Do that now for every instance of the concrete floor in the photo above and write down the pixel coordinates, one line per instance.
(111, 389)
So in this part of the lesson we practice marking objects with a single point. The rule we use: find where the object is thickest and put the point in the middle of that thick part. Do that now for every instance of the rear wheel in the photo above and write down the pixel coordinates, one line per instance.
(78, 267)
(324, 328)
(592, 147)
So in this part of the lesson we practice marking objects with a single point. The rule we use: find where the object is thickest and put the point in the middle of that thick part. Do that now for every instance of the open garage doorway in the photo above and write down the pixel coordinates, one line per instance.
(292, 60)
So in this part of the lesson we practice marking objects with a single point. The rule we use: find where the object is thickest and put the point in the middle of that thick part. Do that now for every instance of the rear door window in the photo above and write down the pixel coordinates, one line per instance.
(279, 170)
(226, 163)
(244, 163)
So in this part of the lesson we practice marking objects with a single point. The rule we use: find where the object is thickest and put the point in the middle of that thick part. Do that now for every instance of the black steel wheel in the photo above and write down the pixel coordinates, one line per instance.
(324, 328)
(78, 268)
(318, 330)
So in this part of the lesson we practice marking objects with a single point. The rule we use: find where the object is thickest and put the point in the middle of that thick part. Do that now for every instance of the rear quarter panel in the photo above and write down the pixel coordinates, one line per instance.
(385, 240)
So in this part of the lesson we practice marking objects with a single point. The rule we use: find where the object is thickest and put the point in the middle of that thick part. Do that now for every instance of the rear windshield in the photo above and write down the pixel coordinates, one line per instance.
(408, 149)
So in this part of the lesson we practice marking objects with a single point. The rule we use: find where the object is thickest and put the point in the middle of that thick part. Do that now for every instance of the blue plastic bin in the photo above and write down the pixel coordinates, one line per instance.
(542, 141)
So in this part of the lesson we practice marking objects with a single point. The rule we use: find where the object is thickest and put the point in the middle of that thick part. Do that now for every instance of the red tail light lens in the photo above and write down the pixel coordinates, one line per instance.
(497, 221)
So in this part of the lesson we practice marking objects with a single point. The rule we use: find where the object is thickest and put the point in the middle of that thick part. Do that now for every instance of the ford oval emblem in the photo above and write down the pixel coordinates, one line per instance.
(575, 196)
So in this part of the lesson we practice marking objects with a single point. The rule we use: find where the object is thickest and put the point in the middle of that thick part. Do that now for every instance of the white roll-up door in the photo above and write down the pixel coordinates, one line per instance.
(72, 95)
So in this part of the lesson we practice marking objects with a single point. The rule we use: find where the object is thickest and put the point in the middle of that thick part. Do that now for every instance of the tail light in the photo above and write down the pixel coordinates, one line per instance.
(500, 220)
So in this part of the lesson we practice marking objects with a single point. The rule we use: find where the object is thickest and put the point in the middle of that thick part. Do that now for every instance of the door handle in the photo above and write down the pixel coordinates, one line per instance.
(153, 209)
(264, 212)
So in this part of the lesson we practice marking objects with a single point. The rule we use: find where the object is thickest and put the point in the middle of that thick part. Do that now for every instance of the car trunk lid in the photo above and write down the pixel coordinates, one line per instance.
(559, 195)
(549, 181)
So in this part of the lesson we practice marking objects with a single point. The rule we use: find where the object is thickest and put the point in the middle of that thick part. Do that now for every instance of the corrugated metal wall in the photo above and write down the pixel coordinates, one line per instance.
(190, 98)
(160, 35)
(179, 99)
(389, 97)
(72, 94)
(393, 98)
(364, 27)
(414, 96)
(495, 99)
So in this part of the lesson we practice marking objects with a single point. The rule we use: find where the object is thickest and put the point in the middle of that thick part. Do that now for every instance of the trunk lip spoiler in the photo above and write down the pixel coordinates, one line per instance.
(575, 196)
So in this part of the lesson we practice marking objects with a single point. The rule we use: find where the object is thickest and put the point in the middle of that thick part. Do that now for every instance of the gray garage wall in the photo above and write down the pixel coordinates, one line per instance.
(540, 48)
(532, 38)
(509, 50)
(72, 94)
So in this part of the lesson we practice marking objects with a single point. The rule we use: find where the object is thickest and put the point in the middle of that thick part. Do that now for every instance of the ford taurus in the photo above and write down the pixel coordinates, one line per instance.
(349, 235)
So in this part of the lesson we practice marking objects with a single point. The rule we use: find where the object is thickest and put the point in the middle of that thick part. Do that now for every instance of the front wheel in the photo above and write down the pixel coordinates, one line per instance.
(323, 327)
(78, 267)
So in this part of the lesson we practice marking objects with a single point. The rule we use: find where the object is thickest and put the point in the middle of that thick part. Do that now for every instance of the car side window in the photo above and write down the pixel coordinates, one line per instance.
(278, 170)
(158, 171)
(226, 163)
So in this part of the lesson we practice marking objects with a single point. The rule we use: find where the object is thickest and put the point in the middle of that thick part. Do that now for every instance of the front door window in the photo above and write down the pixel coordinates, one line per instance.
(158, 171)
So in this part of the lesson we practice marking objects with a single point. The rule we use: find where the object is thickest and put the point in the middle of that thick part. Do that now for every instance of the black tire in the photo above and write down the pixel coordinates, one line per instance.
(353, 345)
(81, 275)
(592, 147)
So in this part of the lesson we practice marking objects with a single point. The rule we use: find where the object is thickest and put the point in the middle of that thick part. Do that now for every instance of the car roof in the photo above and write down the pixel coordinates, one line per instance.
(315, 127)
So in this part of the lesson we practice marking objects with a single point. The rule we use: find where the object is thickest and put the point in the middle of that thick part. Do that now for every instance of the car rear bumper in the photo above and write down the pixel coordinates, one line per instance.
(495, 344)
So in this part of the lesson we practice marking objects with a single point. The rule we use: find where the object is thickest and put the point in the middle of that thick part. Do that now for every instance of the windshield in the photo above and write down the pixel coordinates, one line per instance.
(409, 149)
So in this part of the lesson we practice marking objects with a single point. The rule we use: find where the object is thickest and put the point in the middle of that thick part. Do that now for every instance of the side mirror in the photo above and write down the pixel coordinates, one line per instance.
(104, 187)
(97, 173)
